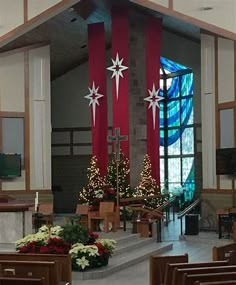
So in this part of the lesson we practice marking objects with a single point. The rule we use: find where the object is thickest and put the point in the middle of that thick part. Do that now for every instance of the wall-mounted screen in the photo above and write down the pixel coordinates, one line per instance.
(226, 161)
(10, 165)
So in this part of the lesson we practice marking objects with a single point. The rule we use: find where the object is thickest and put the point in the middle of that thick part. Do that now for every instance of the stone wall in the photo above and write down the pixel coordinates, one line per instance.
(136, 94)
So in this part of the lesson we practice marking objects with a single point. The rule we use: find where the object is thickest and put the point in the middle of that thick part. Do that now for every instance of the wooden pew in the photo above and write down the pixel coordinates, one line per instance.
(30, 269)
(157, 265)
(63, 260)
(169, 271)
(21, 281)
(230, 282)
(179, 273)
(223, 252)
(208, 277)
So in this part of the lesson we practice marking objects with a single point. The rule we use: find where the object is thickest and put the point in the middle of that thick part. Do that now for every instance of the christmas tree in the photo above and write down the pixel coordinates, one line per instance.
(148, 186)
(93, 192)
(123, 177)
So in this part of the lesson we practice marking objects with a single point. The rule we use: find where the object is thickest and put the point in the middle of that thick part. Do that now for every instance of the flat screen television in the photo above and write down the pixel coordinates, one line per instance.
(226, 161)
(10, 165)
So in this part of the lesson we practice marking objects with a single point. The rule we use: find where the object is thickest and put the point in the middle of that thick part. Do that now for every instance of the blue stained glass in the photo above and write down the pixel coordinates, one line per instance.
(162, 175)
(187, 84)
(186, 111)
(174, 170)
(174, 149)
(161, 150)
(187, 141)
(170, 65)
(177, 112)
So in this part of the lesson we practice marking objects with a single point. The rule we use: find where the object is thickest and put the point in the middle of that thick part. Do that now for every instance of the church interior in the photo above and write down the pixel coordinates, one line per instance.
(117, 131)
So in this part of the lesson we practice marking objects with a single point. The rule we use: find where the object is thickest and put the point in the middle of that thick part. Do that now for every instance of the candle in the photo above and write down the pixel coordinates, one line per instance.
(35, 204)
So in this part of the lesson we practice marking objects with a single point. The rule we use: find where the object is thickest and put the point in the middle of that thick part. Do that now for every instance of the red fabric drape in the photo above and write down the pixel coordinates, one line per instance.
(153, 45)
(97, 75)
(120, 101)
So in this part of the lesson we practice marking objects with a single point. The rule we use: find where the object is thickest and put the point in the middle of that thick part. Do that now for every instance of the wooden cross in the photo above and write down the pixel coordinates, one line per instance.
(117, 138)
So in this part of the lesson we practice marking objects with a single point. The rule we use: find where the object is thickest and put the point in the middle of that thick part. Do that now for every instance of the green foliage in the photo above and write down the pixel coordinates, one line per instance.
(148, 186)
(74, 233)
(89, 194)
(125, 190)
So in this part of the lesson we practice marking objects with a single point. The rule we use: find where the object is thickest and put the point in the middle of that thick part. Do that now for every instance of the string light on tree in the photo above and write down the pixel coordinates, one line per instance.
(91, 193)
(123, 177)
(148, 186)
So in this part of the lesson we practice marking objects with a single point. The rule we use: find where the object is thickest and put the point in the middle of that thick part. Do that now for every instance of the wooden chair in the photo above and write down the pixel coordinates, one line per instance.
(82, 211)
(157, 266)
(44, 216)
(106, 213)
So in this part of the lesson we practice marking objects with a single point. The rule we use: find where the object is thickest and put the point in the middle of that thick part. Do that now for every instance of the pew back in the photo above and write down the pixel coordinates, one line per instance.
(169, 272)
(21, 281)
(223, 252)
(157, 265)
(179, 273)
(36, 269)
(208, 277)
(63, 260)
(231, 282)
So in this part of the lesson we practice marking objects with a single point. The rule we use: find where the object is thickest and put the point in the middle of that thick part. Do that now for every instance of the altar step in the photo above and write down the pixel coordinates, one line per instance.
(130, 250)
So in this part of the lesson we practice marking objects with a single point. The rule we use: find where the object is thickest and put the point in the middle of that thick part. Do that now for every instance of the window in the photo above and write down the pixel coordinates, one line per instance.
(177, 127)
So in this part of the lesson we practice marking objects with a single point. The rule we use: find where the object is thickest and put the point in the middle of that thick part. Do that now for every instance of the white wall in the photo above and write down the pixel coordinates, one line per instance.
(69, 107)
(40, 118)
(13, 91)
(11, 15)
(222, 15)
(36, 7)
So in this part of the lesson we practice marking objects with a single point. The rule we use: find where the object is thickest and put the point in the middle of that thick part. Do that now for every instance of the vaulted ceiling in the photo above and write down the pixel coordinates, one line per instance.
(67, 32)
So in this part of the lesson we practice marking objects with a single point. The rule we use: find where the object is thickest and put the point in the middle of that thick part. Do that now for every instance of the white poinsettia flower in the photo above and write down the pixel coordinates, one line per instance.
(82, 262)
(56, 230)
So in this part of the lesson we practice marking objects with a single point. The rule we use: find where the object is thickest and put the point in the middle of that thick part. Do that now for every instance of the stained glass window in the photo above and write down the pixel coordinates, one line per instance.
(177, 123)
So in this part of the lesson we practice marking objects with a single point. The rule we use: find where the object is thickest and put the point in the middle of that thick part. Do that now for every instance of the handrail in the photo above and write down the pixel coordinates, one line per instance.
(186, 211)
(166, 204)
(189, 208)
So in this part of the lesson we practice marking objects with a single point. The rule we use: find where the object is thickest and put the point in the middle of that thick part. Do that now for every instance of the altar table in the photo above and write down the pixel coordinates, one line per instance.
(15, 221)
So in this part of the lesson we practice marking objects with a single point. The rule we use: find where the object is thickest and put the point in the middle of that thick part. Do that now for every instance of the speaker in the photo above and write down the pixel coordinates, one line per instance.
(192, 224)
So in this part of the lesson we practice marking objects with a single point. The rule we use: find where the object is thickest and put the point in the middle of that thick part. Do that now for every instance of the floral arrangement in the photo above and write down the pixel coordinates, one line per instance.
(91, 256)
(86, 249)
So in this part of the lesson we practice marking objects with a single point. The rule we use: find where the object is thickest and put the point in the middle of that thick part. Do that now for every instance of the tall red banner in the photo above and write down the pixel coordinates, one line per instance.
(120, 85)
(153, 46)
(98, 93)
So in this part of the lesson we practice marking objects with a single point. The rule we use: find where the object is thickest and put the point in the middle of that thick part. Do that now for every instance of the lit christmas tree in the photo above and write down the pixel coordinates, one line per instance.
(123, 177)
(148, 186)
(93, 192)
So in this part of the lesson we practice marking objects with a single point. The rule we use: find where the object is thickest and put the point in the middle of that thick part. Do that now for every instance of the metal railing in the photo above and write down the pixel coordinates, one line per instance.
(187, 211)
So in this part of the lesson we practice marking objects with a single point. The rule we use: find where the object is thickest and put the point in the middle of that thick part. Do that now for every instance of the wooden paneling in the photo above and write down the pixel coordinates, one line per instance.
(27, 124)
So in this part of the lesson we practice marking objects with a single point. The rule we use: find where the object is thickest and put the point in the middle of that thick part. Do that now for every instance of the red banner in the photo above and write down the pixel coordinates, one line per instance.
(153, 46)
(98, 93)
(120, 84)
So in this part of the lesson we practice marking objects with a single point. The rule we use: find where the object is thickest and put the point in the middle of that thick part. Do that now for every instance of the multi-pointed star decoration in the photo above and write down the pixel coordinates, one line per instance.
(93, 96)
(117, 69)
(153, 100)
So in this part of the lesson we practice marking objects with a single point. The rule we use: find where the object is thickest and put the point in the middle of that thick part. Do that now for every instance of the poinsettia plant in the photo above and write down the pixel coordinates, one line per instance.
(86, 249)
